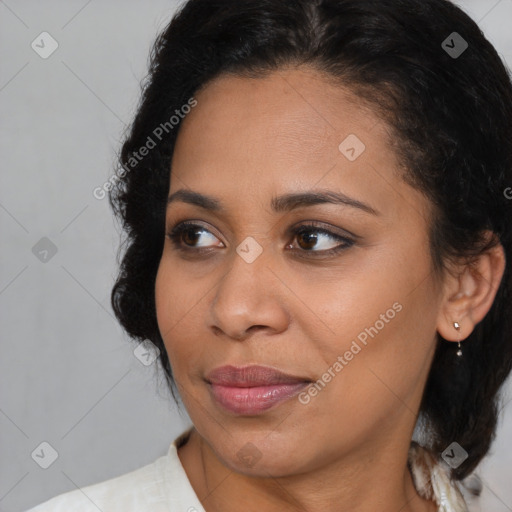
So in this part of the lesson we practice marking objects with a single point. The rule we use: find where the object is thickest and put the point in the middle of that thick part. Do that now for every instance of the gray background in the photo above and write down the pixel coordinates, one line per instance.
(69, 374)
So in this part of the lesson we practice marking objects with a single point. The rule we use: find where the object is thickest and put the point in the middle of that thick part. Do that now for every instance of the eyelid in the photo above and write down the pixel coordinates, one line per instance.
(323, 226)
(193, 223)
(342, 232)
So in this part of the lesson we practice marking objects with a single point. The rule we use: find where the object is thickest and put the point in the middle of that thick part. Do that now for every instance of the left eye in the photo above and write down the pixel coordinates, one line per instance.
(311, 237)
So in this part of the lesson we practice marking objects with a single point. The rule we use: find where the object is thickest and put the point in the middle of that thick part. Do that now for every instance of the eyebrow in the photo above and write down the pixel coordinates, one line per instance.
(284, 203)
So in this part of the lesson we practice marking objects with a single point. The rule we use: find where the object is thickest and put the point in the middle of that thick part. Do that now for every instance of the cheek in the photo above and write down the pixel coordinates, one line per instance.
(379, 371)
(173, 300)
(179, 293)
(366, 298)
(180, 305)
(166, 295)
(381, 321)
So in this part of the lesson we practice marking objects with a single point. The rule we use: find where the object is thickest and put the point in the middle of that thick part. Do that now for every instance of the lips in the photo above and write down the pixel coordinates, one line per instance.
(252, 390)
(251, 376)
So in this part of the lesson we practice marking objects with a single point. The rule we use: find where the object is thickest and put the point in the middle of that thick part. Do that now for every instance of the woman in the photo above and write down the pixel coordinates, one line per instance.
(316, 196)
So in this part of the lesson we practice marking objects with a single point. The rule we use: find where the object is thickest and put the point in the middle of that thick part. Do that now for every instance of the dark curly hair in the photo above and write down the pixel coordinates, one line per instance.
(450, 117)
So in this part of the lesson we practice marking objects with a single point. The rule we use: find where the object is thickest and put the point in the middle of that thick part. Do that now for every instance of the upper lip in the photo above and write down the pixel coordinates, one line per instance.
(251, 376)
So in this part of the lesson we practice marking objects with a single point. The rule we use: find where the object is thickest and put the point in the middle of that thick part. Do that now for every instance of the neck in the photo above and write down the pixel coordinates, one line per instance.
(361, 482)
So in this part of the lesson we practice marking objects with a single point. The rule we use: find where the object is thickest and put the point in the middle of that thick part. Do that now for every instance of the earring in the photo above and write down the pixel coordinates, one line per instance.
(457, 327)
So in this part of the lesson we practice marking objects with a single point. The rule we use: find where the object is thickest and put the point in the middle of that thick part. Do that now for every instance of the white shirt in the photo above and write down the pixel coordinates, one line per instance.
(162, 486)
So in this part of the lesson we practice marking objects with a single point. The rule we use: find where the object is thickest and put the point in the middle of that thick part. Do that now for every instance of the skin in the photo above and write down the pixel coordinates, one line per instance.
(246, 142)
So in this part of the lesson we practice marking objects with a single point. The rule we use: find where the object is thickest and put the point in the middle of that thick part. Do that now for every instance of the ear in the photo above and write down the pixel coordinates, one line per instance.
(469, 293)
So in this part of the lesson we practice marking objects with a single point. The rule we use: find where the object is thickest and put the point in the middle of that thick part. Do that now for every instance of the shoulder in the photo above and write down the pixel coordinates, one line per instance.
(120, 494)
(161, 486)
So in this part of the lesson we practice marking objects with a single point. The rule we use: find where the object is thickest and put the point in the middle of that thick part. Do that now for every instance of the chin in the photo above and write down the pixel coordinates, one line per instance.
(262, 458)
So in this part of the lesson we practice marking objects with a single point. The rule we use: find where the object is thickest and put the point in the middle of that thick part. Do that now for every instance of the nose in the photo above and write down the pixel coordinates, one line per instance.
(249, 298)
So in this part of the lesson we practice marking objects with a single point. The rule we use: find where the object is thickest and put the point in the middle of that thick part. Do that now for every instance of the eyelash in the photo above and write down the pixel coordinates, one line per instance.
(345, 242)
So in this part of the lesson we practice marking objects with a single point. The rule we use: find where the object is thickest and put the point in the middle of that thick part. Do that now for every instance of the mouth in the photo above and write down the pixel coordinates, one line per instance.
(251, 376)
(251, 390)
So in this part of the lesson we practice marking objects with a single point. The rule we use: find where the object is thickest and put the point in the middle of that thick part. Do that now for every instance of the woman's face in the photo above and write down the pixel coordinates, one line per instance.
(349, 303)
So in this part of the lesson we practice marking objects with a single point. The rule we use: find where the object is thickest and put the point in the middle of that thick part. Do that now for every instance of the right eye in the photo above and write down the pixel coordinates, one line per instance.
(186, 235)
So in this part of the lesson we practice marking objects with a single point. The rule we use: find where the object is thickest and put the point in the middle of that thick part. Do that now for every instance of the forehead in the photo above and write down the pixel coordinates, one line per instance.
(290, 129)
(287, 113)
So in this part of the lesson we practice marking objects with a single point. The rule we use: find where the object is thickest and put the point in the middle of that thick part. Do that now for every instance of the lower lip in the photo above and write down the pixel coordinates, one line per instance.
(254, 400)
